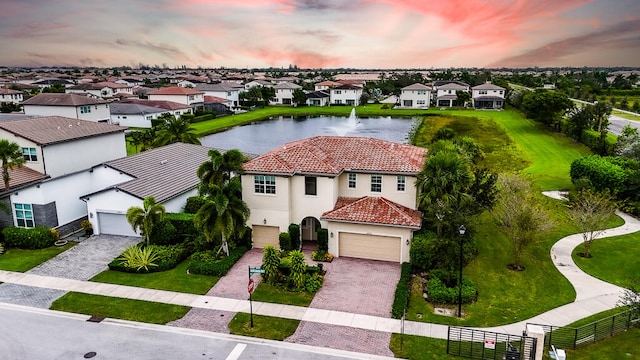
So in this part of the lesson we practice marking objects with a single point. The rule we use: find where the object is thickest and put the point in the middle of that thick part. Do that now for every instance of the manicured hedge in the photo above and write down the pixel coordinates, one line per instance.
(323, 240)
(285, 242)
(169, 257)
(205, 117)
(164, 233)
(209, 263)
(184, 224)
(439, 293)
(28, 238)
(294, 234)
(602, 172)
(591, 139)
(401, 299)
(194, 204)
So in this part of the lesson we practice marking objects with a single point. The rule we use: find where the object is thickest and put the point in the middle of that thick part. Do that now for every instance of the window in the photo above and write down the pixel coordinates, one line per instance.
(310, 185)
(338, 102)
(352, 180)
(338, 91)
(376, 183)
(401, 182)
(191, 97)
(351, 102)
(29, 154)
(85, 109)
(263, 184)
(420, 102)
(149, 117)
(422, 92)
(24, 215)
(500, 92)
(482, 92)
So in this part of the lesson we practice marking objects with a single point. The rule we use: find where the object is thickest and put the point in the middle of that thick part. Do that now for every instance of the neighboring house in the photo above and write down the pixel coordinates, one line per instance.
(101, 89)
(191, 97)
(217, 104)
(229, 91)
(284, 93)
(415, 96)
(75, 106)
(134, 115)
(445, 92)
(10, 96)
(255, 83)
(133, 82)
(45, 83)
(318, 98)
(174, 108)
(345, 95)
(488, 96)
(167, 173)
(361, 189)
(326, 85)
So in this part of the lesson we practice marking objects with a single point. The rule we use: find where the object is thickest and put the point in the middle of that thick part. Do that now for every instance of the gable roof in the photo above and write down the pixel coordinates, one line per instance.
(59, 99)
(162, 104)
(287, 85)
(373, 210)
(5, 91)
(487, 86)
(175, 90)
(219, 87)
(133, 109)
(452, 86)
(216, 99)
(331, 155)
(347, 87)
(417, 86)
(50, 130)
(320, 94)
(22, 176)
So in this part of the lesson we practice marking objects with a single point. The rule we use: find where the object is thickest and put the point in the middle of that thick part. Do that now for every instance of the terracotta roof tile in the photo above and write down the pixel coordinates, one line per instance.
(56, 99)
(373, 210)
(175, 90)
(56, 129)
(22, 176)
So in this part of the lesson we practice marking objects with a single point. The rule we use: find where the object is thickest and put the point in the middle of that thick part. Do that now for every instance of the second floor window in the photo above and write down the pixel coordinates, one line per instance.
(29, 154)
(401, 183)
(376, 183)
(85, 109)
(264, 184)
(352, 180)
(191, 97)
(310, 185)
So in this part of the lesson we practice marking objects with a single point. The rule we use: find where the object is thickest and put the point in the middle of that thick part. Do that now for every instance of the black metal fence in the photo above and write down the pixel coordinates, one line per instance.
(479, 344)
(574, 338)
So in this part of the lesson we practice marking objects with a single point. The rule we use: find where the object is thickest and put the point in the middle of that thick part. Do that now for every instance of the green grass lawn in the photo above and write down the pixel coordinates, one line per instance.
(622, 346)
(175, 279)
(118, 308)
(625, 115)
(619, 250)
(274, 294)
(266, 327)
(21, 260)
(419, 348)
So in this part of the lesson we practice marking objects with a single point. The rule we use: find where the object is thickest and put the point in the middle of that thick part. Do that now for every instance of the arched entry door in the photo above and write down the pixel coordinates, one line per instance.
(308, 229)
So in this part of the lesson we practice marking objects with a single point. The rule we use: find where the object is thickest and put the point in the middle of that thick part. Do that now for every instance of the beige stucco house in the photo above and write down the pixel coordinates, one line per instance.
(362, 190)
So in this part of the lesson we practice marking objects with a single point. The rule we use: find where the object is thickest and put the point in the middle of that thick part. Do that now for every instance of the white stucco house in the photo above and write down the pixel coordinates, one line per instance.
(75, 106)
(174, 108)
(417, 96)
(345, 95)
(134, 115)
(318, 98)
(488, 96)
(100, 89)
(325, 85)
(229, 91)
(284, 93)
(11, 96)
(361, 189)
(191, 97)
(446, 92)
(255, 83)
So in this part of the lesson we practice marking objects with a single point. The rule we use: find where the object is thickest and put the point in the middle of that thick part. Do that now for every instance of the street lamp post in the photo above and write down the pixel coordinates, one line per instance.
(461, 230)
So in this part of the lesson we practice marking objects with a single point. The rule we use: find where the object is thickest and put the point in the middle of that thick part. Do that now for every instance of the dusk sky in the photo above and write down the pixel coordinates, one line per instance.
(320, 33)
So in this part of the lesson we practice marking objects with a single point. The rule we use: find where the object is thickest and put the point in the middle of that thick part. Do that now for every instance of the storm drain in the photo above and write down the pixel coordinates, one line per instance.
(95, 319)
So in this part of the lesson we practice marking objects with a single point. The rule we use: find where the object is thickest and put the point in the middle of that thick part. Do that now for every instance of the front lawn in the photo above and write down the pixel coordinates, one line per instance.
(119, 308)
(175, 279)
(266, 327)
(614, 260)
(21, 260)
(279, 295)
(621, 346)
(419, 348)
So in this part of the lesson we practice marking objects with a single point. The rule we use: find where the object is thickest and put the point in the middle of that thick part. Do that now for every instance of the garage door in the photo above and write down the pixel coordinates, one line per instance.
(373, 247)
(114, 224)
(265, 235)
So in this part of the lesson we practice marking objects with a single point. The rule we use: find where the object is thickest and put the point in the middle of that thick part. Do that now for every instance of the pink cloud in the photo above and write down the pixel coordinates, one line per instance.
(304, 59)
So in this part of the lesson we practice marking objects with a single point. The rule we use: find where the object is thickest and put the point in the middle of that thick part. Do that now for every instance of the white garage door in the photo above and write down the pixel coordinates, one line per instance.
(265, 235)
(372, 247)
(114, 224)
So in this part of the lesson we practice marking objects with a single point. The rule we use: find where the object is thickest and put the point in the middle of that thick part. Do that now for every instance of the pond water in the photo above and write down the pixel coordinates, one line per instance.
(262, 136)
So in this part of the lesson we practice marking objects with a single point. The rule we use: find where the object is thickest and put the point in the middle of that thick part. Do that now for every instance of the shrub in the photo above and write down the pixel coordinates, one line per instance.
(321, 256)
(401, 299)
(194, 204)
(33, 238)
(183, 223)
(422, 251)
(444, 133)
(1, 248)
(439, 293)
(167, 257)
(385, 106)
(164, 233)
(323, 240)
(285, 242)
(210, 263)
(591, 139)
(298, 269)
(86, 226)
(270, 263)
(313, 283)
(138, 258)
(602, 172)
(294, 234)
(246, 238)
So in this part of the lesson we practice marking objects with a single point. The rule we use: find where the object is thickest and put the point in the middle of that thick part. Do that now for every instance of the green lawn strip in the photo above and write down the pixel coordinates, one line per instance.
(21, 260)
(175, 279)
(274, 294)
(614, 259)
(118, 308)
(625, 115)
(419, 348)
(620, 346)
(598, 316)
(266, 327)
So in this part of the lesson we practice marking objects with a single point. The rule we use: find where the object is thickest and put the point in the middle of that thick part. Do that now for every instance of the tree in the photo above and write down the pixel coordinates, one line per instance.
(628, 144)
(11, 157)
(580, 118)
(145, 218)
(177, 130)
(589, 211)
(546, 106)
(268, 94)
(221, 168)
(519, 214)
(299, 97)
(631, 298)
(463, 97)
(364, 98)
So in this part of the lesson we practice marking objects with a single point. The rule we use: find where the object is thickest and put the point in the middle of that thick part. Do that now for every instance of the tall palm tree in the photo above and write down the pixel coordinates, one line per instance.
(444, 176)
(145, 218)
(11, 157)
(223, 214)
(221, 168)
(177, 130)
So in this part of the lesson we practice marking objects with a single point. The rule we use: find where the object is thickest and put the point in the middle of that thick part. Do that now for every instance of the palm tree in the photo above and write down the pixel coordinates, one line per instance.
(223, 214)
(11, 157)
(177, 130)
(146, 217)
(220, 169)
(444, 176)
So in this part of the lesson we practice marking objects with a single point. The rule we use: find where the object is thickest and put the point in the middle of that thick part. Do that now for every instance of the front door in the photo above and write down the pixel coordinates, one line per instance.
(308, 229)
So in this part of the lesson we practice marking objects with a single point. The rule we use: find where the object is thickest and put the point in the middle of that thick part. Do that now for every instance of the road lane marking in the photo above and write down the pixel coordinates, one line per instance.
(235, 353)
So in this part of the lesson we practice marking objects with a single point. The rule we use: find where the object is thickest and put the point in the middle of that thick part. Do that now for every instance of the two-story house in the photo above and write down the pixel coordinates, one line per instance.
(75, 106)
(229, 91)
(174, 108)
(345, 95)
(361, 189)
(10, 96)
(134, 115)
(325, 85)
(191, 97)
(284, 93)
(101, 89)
(415, 96)
(446, 92)
(488, 96)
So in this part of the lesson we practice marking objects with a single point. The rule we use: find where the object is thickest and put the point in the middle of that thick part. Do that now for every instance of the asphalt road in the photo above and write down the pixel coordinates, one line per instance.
(29, 333)
(616, 124)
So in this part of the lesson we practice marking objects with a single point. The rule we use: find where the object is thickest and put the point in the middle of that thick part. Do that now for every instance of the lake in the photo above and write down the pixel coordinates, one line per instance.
(262, 136)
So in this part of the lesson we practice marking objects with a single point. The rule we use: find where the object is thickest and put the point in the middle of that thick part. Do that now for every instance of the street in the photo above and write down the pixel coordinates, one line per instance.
(29, 333)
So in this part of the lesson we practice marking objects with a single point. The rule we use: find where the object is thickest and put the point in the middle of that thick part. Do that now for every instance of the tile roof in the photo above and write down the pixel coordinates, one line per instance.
(5, 91)
(219, 87)
(487, 86)
(373, 210)
(133, 109)
(287, 85)
(163, 104)
(23, 176)
(175, 90)
(452, 86)
(416, 86)
(216, 99)
(58, 99)
(49, 130)
(332, 155)
(163, 172)
(347, 87)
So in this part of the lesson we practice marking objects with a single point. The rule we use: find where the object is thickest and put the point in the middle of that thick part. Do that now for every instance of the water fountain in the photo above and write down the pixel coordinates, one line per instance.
(350, 126)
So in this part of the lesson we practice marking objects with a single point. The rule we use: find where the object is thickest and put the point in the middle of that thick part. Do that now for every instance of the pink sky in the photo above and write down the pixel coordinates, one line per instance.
(321, 33)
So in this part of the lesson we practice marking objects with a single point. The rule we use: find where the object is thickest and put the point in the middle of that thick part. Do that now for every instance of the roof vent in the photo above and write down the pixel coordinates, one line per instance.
(163, 162)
